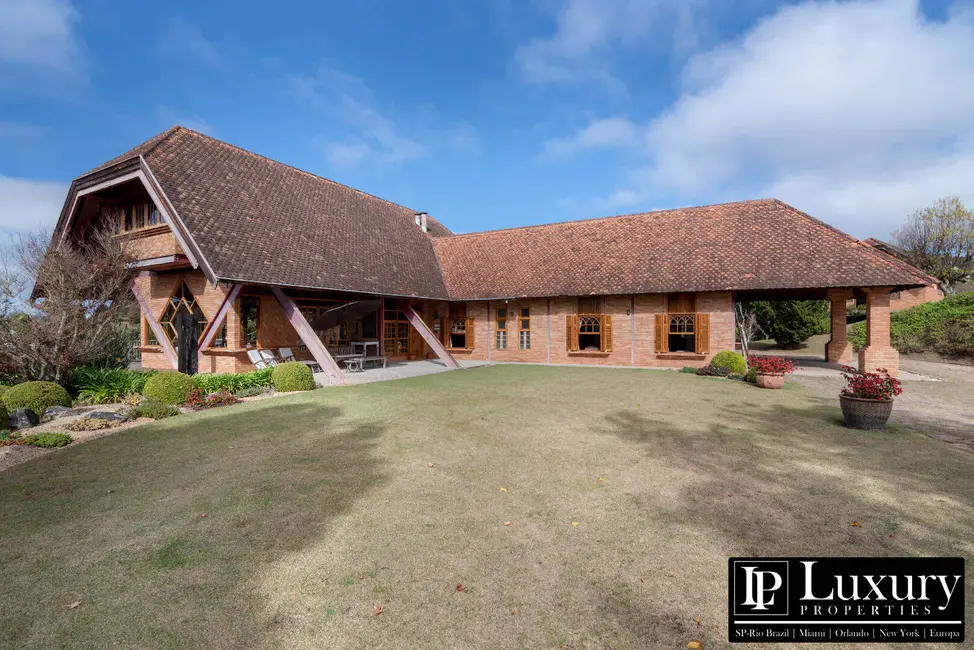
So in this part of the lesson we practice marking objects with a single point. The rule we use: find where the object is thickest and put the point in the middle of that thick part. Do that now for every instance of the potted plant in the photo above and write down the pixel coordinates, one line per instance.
(769, 372)
(867, 400)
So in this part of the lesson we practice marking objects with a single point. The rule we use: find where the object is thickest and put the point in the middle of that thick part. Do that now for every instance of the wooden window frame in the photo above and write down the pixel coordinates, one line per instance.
(501, 315)
(242, 331)
(524, 333)
(699, 328)
(137, 217)
(574, 325)
(450, 326)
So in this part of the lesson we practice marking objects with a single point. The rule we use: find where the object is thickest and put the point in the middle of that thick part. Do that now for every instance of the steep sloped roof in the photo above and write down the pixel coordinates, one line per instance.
(748, 245)
(258, 220)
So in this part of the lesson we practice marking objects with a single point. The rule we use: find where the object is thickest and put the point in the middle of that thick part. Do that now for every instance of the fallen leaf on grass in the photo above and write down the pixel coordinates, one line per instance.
(461, 588)
(856, 524)
(203, 515)
(697, 619)
(503, 489)
(694, 645)
(361, 577)
(600, 479)
(379, 609)
(74, 604)
(507, 523)
(429, 464)
(515, 611)
(575, 524)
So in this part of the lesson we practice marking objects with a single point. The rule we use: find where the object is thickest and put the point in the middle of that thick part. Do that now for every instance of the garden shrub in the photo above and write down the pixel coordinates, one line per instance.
(792, 322)
(688, 370)
(4, 415)
(38, 396)
(3, 389)
(945, 327)
(233, 382)
(168, 387)
(105, 385)
(198, 400)
(153, 410)
(253, 391)
(292, 376)
(730, 361)
(91, 424)
(47, 440)
(713, 371)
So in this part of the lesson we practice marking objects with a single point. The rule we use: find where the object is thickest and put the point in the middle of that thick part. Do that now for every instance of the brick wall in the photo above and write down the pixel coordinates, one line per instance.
(914, 297)
(150, 243)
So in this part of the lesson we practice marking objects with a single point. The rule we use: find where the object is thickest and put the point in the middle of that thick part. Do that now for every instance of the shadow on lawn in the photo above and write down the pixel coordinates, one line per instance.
(151, 569)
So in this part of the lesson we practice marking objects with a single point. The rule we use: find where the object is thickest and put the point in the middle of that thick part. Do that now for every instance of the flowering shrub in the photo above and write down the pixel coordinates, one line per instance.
(771, 365)
(199, 400)
(871, 385)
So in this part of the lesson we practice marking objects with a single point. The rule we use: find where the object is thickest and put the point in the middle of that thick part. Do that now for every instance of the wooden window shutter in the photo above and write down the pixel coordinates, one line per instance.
(606, 326)
(662, 334)
(571, 333)
(471, 330)
(702, 333)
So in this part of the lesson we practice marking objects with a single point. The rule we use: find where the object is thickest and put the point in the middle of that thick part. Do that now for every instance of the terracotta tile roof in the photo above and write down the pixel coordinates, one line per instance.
(750, 245)
(260, 221)
(899, 255)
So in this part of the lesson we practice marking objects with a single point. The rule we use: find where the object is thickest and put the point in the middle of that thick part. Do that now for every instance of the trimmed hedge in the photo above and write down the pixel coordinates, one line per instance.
(233, 382)
(730, 361)
(945, 327)
(38, 396)
(292, 376)
(168, 387)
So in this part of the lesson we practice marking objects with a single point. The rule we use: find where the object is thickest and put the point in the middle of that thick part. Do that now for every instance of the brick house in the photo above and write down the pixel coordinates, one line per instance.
(907, 298)
(244, 252)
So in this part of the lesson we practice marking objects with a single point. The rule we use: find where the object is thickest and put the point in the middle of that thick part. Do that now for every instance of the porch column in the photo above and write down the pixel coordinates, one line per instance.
(417, 322)
(838, 349)
(309, 338)
(878, 353)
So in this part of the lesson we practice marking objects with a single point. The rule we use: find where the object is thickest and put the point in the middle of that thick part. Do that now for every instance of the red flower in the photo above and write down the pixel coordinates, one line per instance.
(871, 385)
(771, 365)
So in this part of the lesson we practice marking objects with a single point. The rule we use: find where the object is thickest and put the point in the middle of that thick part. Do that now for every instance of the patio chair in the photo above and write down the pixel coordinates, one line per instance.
(269, 357)
(255, 358)
(285, 354)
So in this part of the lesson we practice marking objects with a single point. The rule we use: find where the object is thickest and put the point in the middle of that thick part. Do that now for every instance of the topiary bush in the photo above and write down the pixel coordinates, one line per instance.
(292, 376)
(38, 396)
(168, 387)
(153, 410)
(730, 361)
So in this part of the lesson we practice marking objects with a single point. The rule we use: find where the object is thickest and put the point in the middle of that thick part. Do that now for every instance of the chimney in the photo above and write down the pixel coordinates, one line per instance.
(421, 221)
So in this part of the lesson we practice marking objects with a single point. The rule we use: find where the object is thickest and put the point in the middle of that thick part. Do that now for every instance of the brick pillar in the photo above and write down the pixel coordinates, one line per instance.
(838, 349)
(878, 352)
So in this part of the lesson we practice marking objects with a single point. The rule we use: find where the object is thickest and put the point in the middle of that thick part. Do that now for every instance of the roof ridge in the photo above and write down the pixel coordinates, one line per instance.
(605, 218)
(136, 151)
(292, 167)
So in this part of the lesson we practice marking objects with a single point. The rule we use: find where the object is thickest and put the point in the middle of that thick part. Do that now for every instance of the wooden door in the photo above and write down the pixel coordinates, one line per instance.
(187, 338)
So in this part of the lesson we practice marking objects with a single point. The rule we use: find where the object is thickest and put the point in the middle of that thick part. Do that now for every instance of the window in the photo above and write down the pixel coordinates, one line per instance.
(589, 333)
(524, 329)
(249, 321)
(182, 301)
(395, 330)
(140, 215)
(500, 337)
(220, 340)
(681, 333)
(150, 336)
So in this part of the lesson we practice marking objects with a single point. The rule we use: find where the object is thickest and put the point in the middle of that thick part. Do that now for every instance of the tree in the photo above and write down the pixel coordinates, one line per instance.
(790, 322)
(63, 306)
(940, 240)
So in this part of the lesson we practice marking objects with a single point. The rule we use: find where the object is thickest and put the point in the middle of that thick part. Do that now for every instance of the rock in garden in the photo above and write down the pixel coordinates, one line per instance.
(23, 419)
(107, 415)
(59, 412)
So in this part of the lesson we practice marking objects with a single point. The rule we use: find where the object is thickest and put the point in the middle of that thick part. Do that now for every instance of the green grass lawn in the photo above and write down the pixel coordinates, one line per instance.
(321, 506)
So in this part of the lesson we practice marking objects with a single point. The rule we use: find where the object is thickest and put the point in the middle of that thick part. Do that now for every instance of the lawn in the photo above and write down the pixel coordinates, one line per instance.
(323, 506)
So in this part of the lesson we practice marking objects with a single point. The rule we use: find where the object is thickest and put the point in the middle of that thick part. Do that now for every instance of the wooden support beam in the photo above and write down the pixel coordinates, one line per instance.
(214, 325)
(156, 328)
(417, 322)
(309, 338)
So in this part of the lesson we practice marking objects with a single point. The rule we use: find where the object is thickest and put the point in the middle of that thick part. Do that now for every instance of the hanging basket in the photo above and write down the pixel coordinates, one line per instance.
(860, 413)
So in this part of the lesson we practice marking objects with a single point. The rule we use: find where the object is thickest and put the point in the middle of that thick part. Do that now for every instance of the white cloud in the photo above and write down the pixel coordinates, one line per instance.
(858, 112)
(39, 34)
(376, 137)
(610, 132)
(586, 31)
(30, 205)
(185, 40)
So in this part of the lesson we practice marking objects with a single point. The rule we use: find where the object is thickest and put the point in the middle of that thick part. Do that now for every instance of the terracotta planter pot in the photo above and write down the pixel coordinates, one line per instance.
(411, 357)
(862, 413)
(430, 355)
(769, 380)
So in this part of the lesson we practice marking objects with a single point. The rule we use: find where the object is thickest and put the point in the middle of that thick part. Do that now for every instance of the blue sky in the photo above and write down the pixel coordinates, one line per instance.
(504, 112)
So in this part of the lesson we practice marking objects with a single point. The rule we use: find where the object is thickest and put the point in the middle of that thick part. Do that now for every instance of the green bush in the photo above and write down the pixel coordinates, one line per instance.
(292, 376)
(154, 410)
(3, 389)
(168, 387)
(792, 322)
(713, 371)
(688, 370)
(233, 382)
(945, 327)
(38, 396)
(47, 440)
(252, 391)
(103, 385)
(730, 361)
(4, 414)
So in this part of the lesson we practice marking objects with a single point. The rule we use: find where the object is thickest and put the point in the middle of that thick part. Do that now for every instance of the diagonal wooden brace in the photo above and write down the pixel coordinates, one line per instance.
(156, 328)
(309, 338)
(214, 325)
(417, 321)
